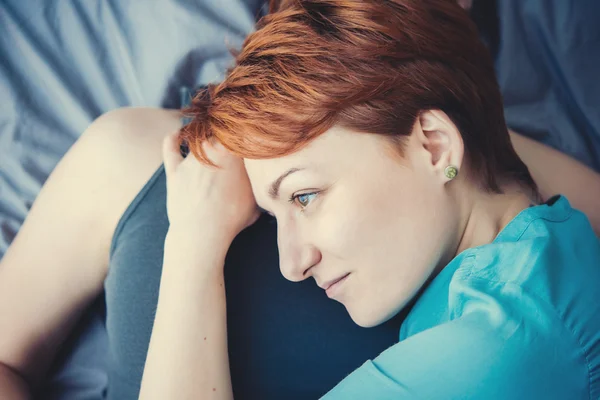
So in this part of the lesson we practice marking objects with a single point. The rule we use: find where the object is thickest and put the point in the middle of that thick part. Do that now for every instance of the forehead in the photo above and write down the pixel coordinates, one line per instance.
(337, 148)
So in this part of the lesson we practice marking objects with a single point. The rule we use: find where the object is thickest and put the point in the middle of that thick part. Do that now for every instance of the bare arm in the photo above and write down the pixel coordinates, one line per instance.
(56, 265)
(557, 173)
(187, 357)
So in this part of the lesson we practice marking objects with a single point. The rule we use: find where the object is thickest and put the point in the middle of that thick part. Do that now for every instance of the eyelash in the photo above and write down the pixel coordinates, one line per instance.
(294, 197)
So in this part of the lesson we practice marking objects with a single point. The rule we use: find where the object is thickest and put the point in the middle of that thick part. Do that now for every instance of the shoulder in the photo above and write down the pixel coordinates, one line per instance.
(126, 146)
(132, 136)
(474, 356)
(502, 330)
(537, 249)
(110, 163)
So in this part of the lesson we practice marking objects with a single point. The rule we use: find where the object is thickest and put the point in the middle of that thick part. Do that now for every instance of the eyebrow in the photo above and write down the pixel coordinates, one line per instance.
(274, 189)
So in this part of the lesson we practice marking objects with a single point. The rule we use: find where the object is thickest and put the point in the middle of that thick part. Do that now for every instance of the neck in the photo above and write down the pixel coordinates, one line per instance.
(485, 215)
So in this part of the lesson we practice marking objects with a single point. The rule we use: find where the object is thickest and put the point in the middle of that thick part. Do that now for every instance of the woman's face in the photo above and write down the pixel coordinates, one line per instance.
(350, 210)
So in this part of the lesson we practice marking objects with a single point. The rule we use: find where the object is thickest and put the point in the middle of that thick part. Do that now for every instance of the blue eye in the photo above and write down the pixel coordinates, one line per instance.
(303, 199)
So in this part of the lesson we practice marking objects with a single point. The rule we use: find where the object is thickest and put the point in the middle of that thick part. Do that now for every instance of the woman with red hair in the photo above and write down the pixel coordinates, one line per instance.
(373, 131)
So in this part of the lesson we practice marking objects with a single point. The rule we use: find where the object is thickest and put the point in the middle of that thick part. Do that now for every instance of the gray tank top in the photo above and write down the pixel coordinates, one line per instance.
(286, 340)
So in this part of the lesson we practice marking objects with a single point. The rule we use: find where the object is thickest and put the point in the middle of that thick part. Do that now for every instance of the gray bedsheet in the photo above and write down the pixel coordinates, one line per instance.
(65, 62)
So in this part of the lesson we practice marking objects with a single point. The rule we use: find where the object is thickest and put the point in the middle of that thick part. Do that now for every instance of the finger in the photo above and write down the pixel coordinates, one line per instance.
(171, 153)
(217, 153)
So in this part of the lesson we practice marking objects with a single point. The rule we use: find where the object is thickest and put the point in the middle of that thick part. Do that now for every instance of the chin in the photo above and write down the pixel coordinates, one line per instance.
(377, 314)
(367, 318)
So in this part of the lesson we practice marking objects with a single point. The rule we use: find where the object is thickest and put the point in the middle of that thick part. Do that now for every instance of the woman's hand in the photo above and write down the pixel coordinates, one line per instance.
(205, 202)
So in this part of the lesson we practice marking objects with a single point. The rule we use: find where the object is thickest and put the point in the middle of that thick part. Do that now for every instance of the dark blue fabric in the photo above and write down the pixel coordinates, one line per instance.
(547, 66)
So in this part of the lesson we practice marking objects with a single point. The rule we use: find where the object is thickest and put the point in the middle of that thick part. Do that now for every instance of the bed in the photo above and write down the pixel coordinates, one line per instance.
(65, 62)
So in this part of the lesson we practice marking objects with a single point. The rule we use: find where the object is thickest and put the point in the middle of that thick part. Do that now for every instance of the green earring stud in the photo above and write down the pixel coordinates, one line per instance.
(451, 171)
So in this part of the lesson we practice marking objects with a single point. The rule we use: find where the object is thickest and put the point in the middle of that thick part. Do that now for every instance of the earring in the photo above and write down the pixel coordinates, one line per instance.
(451, 171)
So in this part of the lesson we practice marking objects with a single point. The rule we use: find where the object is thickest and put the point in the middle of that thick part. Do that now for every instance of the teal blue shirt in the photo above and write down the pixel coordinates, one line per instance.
(518, 318)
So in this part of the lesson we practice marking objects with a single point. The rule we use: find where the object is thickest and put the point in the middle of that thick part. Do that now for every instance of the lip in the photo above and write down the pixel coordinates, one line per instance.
(334, 286)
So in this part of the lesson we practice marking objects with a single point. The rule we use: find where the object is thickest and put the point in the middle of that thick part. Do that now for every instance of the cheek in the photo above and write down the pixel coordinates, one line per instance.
(359, 231)
(401, 233)
(338, 231)
(419, 228)
(384, 226)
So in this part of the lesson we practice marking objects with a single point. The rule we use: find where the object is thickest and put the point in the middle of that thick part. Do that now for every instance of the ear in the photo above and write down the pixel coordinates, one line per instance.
(441, 140)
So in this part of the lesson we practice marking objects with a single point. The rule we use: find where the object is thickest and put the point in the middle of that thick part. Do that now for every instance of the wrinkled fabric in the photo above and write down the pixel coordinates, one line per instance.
(64, 63)
(547, 68)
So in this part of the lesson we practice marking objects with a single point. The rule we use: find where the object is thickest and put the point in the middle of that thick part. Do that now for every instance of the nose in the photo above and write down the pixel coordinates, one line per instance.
(297, 257)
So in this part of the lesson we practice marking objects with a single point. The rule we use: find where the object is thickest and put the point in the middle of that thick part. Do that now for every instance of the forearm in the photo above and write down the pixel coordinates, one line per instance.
(12, 386)
(187, 357)
(557, 173)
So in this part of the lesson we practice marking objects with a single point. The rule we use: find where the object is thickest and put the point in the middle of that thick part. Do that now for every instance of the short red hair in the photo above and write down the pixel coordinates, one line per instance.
(367, 65)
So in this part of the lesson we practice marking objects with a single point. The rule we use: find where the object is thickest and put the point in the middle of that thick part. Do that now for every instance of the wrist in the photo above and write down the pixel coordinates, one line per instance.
(208, 248)
(198, 234)
(209, 231)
